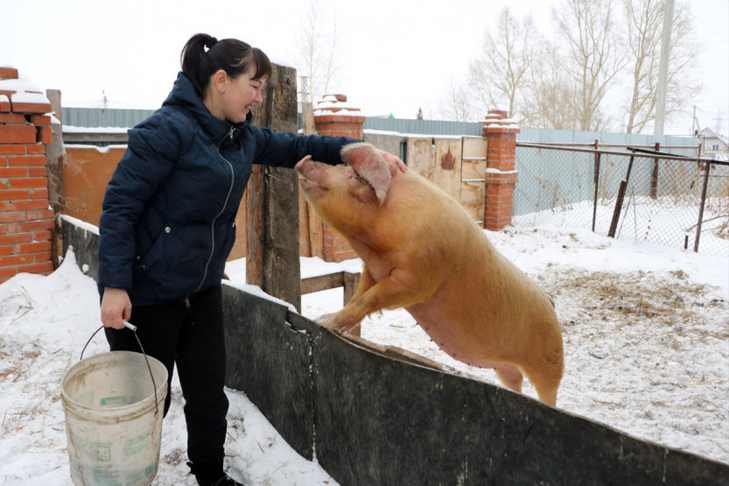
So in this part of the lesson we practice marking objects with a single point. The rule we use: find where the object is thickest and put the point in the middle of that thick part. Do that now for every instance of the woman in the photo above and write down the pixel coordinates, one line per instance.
(167, 226)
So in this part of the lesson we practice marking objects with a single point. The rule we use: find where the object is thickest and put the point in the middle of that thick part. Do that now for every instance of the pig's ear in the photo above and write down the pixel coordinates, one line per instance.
(370, 165)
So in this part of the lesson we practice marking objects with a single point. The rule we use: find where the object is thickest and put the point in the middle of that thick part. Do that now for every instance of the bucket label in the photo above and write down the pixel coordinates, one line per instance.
(101, 451)
(114, 401)
(136, 445)
(106, 477)
(93, 451)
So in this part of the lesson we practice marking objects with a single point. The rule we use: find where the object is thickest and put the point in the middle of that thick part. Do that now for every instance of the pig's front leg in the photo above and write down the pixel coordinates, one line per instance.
(399, 289)
(364, 283)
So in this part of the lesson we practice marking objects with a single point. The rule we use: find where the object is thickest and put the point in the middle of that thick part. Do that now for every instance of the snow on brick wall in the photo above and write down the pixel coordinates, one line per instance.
(26, 219)
(334, 117)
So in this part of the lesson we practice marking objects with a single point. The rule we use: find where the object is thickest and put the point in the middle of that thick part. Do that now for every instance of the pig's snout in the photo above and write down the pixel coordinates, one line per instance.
(302, 164)
(309, 169)
(313, 174)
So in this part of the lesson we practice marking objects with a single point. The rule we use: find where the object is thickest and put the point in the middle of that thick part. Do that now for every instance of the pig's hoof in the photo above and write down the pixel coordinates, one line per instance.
(334, 323)
(327, 320)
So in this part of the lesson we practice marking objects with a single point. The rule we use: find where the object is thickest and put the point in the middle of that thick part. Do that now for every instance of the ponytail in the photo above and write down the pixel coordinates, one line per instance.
(203, 55)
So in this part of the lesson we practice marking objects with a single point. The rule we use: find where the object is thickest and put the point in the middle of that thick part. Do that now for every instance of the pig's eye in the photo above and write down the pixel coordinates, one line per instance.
(360, 179)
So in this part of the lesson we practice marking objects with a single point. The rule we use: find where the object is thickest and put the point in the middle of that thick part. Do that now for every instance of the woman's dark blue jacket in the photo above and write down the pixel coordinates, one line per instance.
(168, 219)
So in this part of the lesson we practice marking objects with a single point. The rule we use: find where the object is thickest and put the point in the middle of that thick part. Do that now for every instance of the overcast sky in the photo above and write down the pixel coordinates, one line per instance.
(394, 56)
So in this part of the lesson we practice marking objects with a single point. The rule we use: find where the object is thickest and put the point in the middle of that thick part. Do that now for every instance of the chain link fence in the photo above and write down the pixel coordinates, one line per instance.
(676, 200)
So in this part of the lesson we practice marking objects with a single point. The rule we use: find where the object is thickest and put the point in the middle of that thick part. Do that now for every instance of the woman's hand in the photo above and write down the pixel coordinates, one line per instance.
(393, 159)
(115, 308)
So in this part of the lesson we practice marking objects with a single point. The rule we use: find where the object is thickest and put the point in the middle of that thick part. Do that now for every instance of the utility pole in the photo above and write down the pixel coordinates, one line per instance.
(718, 124)
(663, 67)
(307, 105)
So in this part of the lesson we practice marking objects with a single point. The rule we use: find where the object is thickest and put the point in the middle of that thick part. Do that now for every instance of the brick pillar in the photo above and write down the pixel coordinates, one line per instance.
(500, 133)
(26, 220)
(334, 117)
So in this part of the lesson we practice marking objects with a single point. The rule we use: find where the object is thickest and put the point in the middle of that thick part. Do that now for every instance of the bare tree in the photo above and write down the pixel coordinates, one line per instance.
(318, 51)
(499, 73)
(549, 94)
(645, 24)
(458, 104)
(595, 55)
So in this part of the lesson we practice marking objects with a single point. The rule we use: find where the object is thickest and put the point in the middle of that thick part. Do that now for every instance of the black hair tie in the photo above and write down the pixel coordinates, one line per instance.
(210, 42)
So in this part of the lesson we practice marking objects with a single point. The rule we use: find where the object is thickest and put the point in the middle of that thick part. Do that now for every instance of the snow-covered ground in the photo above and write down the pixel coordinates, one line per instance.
(646, 333)
(646, 328)
(667, 221)
(44, 323)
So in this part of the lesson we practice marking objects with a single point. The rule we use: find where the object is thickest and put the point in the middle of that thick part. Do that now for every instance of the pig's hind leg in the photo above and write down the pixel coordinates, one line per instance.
(546, 382)
(544, 365)
(510, 376)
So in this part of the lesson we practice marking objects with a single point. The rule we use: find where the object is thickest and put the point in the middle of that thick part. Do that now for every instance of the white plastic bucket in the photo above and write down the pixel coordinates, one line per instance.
(113, 424)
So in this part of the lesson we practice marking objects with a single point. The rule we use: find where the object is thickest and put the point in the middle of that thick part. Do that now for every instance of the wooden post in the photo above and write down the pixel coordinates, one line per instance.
(350, 281)
(308, 113)
(272, 202)
(307, 215)
(55, 153)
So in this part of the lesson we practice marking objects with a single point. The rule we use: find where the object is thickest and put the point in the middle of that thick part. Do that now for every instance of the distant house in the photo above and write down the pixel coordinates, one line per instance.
(713, 145)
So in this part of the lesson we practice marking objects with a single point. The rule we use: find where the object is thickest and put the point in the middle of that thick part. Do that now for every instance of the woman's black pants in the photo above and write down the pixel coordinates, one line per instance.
(188, 333)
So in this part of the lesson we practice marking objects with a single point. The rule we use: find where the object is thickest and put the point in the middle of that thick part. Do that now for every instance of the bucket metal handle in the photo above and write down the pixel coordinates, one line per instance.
(132, 328)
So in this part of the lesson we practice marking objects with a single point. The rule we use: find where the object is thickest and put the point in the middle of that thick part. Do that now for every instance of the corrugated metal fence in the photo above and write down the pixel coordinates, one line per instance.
(100, 117)
(117, 117)
(548, 179)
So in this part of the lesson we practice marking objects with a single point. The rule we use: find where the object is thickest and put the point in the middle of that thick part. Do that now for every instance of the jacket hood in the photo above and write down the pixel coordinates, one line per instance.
(185, 95)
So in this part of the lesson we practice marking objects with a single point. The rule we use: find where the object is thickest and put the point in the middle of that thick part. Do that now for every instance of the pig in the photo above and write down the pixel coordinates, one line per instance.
(423, 252)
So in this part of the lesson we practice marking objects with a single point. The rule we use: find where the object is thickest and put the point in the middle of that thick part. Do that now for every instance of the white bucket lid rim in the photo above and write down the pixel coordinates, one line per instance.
(143, 404)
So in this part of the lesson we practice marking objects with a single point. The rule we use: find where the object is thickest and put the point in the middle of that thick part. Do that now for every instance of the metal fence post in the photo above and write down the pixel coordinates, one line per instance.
(654, 175)
(596, 170)
(619, 201)
(701, 207)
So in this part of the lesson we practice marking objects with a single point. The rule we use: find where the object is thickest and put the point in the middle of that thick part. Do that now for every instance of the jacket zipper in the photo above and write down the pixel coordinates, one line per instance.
(225, 205)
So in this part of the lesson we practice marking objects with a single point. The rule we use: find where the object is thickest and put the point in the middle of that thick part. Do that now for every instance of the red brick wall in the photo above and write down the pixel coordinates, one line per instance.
(340, 126)
(501, 170)
(334, 248)
(86, 172)
(26, 222)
